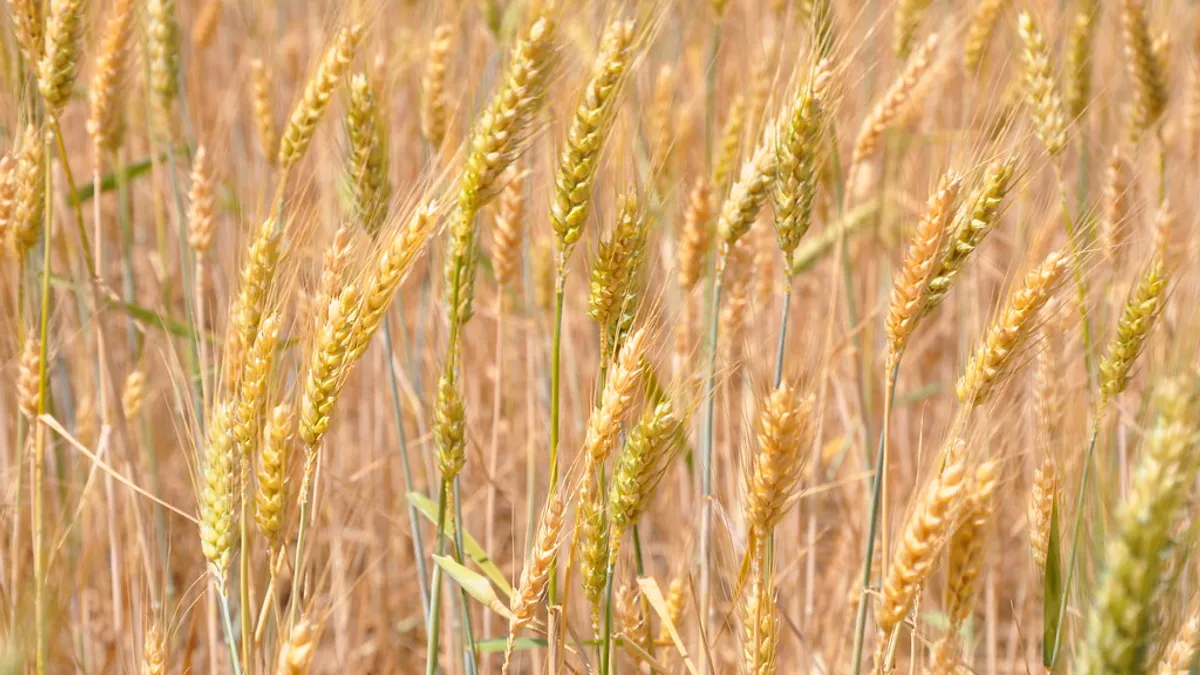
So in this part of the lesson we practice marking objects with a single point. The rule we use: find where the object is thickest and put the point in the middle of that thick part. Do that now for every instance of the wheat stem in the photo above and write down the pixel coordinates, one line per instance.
(1076, 527)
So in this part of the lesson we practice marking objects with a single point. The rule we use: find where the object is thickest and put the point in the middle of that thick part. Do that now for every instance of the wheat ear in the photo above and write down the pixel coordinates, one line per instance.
(317, 93)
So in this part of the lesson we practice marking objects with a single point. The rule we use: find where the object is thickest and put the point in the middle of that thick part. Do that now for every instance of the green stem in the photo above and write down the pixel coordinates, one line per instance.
(606, 642)
(432, 632)
(39, 466)
(468, 634)
(1076, 527)
(228, 625)
(783, 326)
(414, 521)
(555, 390)
(706, 442)
(860, 623)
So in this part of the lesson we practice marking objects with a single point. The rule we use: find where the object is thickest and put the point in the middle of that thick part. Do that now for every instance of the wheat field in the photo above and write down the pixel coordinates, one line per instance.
(599, 336)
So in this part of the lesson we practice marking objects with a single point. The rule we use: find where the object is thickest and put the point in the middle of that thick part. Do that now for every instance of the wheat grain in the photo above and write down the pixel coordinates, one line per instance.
(299, 130)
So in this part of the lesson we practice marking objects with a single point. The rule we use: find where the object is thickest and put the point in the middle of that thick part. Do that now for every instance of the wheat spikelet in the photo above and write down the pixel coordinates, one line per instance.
(497, 139)
(1048, 400)
(28, 28)
(390, 271)
(326, 367)
(921, 541)
(271, 492)
(1191, 118)
(543, 273)
(334, 262)
(747, 196)
(30, 189)
(368, 156)
(1041, 93)
(536, 575)
(8, 200)
(653, 444)
(1120, 628)
(965, 563)
(676, 601)
(508, 229)
(784, 438)
(620, 387)
(247, 308)
(299, 130)
(252, 387)
(449, 428)
(1079, 57)
(207, 20)
(731, 143)
(60, 56)
(911, 285)
(262, 85)
(1133, 329)
(796, 172)
(201, 204)
(133, 393)
(660, 119)
(591, 530)
(979, 31)
(978, 216)
(104, 120)
(1145, 68)
(1011, 331)
(906, 19)
(1043, 496)
(630, 619)
(296, 654)
(1118, 195)
(499, 132)
(433, 87)
(616, 269)
(162, 47)
(218, 493)
(29, 376)
(694, 235)
(759, 628)
(588, 131)
(893, 102)
(154, 653)
(1181, 650)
